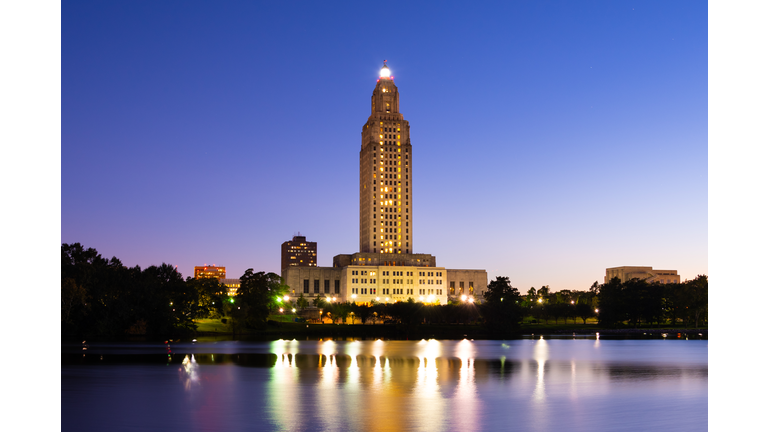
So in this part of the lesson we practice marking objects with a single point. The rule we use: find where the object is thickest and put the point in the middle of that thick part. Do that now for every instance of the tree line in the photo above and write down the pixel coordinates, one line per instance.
(638, 301)
(103, 297)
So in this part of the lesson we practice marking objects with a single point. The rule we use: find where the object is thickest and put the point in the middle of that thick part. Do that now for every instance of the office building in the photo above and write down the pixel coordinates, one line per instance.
(210, 272)
(647, 274)
(298, 252)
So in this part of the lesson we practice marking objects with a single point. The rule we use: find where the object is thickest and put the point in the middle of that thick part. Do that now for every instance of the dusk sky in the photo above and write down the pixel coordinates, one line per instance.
(551, 140)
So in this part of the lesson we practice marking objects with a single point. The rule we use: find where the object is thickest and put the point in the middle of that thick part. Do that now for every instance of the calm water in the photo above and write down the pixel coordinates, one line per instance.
(537, 384)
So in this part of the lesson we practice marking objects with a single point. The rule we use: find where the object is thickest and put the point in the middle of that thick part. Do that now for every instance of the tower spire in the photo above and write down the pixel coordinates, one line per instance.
(384, 72)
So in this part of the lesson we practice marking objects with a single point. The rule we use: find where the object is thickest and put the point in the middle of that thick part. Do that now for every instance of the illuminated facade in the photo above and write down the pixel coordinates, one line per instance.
(386, 183)
(210, 272)
(298, 252)
(386, 269)
(648, 274)
(232, 286)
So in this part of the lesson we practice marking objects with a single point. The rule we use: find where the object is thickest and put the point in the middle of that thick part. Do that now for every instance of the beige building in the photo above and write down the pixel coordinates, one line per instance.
(386, 185)
(648, 274)
(386, 269)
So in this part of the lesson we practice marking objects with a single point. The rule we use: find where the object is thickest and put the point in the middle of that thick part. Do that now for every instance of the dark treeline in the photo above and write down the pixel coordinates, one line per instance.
(636, 301)
(101, 297)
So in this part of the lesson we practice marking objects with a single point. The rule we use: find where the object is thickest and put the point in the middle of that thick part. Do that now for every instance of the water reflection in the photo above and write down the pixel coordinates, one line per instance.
(188, 372)
(426, 385)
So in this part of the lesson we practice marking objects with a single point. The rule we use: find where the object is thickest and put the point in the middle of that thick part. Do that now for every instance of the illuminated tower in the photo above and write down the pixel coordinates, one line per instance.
(386, 183)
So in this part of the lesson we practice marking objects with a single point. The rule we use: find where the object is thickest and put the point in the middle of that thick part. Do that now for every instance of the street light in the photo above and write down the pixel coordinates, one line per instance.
(539, 300)
(293, 310)
(281, 310)
(286, 297)
(463, 297)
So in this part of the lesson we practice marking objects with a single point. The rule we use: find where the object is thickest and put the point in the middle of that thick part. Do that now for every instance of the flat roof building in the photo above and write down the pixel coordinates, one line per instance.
(210, 272)
(298, 252)
(647, 274)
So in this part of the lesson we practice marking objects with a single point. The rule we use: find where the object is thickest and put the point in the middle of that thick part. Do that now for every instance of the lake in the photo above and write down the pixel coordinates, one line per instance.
(564, 384)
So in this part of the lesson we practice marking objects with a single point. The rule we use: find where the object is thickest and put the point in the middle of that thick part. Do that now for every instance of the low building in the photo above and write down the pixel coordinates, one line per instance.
(647, 274)
(384, 278)
(210, 272)
(471, 283)
(232, 286)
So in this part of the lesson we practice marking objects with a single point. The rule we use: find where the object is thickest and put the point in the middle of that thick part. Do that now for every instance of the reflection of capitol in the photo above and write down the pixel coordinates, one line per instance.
(426, 385)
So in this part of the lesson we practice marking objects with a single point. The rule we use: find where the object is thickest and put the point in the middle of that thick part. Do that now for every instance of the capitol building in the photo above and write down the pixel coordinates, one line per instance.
(386, 269)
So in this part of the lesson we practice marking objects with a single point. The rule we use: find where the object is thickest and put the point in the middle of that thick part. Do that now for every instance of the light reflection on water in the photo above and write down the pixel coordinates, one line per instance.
(536, 384)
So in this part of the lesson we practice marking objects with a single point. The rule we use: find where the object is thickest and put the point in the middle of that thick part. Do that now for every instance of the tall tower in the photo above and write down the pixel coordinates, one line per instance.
(386, 181)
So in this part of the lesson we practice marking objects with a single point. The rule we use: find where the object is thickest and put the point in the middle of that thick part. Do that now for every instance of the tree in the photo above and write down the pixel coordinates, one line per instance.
(697, 292)
(72, 300)
(610, 297)
(584, 311)
(531, 295)
(363, 312)
(211, 295)
(302, 302)
(259, 294)
(502, 311)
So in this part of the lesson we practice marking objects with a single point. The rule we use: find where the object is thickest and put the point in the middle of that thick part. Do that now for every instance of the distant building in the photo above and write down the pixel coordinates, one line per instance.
(647, 274)
(298, 253)
(210, 272)
(232, 286)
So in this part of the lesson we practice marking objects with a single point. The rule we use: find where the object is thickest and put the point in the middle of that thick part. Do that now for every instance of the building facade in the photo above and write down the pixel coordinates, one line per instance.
(647, 274)
(385, 269)
(298, 252)
(210, 272)
(386, 165)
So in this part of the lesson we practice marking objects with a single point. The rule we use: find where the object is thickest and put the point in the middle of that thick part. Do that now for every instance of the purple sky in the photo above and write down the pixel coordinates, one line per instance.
(551, 139)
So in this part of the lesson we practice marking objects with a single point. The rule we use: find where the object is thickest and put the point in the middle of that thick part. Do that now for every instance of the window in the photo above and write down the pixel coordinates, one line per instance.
(471, 289)
(306, 286)
(461, 287)
(317, 286)
(336, 287)
(327, 286)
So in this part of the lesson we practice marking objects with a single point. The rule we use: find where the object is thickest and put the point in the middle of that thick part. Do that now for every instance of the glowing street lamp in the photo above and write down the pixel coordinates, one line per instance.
(539, 300)
(471, 300)
(463, 298)
(286, 297)
(293, 310)
(281, 310)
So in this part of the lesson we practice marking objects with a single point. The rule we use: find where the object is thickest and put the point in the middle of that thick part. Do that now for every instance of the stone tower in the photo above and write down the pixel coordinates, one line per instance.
(386, 181)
